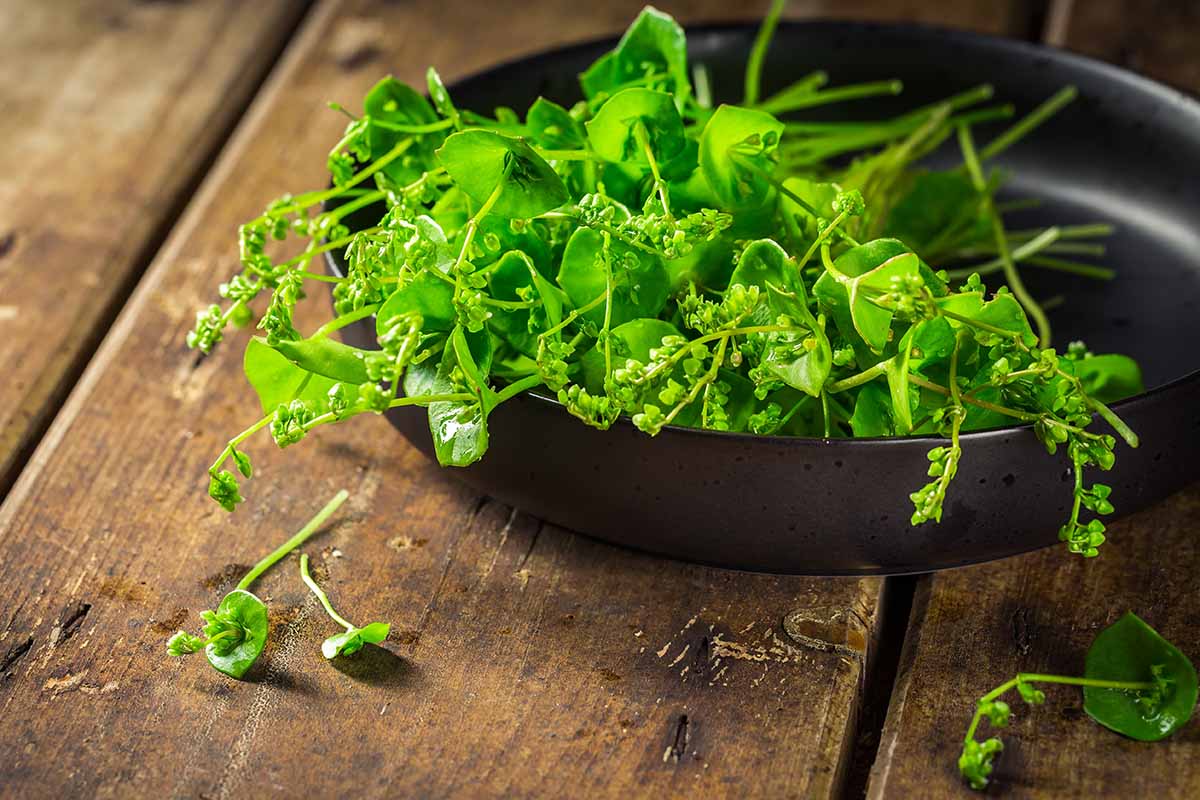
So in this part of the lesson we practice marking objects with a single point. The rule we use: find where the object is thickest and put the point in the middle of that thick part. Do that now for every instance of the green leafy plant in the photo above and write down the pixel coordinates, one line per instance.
(1135, 683)
(236, 632)
(352, 639)
(646, 253)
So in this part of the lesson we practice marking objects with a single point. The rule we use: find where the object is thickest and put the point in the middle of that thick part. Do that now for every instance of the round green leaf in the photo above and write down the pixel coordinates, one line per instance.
(251, 614)
(520, 327)
(278, 381)
(898, 367)
(614, 135)
(736, 145)
(459, 429)
(655, 39)
(393, 102)
(634, 339)
(936, 202)
(640, 282)
(497, 237)
(862, 272)
(872, 414)
(351, 641)
(419, 377)
(1109, 377)
(552, 126)
(1130, 650)
(817, 195)
(801, 361)
(481, 161)
(426, 294)
(654, 43)
(764, 263)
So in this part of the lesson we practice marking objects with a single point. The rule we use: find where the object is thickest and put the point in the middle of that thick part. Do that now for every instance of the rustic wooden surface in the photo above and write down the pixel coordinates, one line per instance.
(109, 113)
(972, 629)
(1154, 37)
(524, 661)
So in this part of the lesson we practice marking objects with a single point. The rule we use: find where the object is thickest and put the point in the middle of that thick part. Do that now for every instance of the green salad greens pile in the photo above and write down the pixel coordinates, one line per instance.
(650, 254)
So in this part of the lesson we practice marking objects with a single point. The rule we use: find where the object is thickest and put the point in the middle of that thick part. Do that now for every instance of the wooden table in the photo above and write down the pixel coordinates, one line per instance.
(524, 660)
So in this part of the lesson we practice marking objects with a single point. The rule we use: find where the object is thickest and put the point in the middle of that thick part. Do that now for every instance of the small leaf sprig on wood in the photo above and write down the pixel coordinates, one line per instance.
(236, 632)
(352, 639)
(646, 253)
(1135, 682)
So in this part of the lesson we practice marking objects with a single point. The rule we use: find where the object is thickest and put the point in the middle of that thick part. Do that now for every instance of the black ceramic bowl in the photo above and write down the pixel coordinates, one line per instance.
(1127, 152)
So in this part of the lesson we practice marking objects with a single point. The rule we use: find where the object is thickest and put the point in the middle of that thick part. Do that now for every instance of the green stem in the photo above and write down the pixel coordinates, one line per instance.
(707, 378)
(510, 305)
(346, 209)
(399, 402)
(1073, 268)
(514, 389)
(810, 83)
(235, 441)
(316, 249)
(1037, 677)
(431, 127)
(574, 315)
(222, 635)
(454, 397)
(1118, 424)
(643, 137)
(1011, 276)
(1085, 231)
(1024, 416)
(1033, 246)
(825, 233)
(567, 155)
(758, 52)
(1035, 118)
(866, 376)
(298, 539)
(345, 319)
(1129, 686)
(307, 577)
(313, 198)
(858, 91)
(608, 296)
(828, 429)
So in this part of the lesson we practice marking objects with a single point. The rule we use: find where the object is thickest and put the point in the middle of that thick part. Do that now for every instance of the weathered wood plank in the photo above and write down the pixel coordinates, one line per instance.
(1154, 37)
(973, 629)
(526, 661)
(110, 111)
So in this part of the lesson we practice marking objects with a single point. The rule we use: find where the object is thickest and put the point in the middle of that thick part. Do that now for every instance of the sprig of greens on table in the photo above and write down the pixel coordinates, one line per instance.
(236, 632)
(1135, 682)
(646, 253)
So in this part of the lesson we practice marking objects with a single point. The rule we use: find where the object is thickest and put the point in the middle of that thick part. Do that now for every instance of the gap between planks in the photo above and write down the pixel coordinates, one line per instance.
(43, 417)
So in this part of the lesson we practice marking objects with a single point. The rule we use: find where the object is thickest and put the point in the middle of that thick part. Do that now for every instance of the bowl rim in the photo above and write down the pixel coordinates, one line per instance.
(1139, 83)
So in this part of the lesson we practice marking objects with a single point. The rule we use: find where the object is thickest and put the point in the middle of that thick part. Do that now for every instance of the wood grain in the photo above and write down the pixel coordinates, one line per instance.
(973, 629)
(108, 113)
(526, 661)
(1156, 38)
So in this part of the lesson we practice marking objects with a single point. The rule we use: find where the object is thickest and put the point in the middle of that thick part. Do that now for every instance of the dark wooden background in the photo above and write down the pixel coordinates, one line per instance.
(524, 661)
